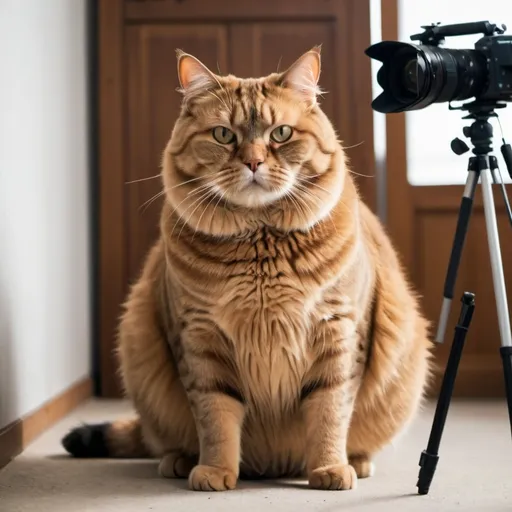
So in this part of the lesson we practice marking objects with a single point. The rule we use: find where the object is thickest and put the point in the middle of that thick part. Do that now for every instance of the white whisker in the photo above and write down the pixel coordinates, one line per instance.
(188, 196)
(215, 207)
(143, 179)
(316, 199)
(302, 180)
(353, 146)
(202, 200)
(303, 201)
(180, 216)
(201, 216)
(186, 182)
(152, 199)
(297, 205)
(202, 188)
(359, 174)
(162, 192)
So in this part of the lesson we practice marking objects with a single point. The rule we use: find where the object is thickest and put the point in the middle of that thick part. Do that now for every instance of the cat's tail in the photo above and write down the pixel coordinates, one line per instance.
(118, 439)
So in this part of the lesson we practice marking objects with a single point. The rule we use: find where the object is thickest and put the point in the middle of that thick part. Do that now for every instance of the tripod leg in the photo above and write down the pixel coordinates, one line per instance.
(466, 206)
(500, 291)
(506, 355)
(495, 169)
(430, 457)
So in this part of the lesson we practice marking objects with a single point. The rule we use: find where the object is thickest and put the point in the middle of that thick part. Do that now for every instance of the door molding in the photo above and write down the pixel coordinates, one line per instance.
(112, 273)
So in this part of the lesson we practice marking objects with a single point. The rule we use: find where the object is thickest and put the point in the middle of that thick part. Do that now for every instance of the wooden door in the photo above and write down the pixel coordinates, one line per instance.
(422, 222)
(138, 40)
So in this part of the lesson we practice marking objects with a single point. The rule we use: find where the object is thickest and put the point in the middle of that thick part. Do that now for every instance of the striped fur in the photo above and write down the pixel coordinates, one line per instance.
(272, 331)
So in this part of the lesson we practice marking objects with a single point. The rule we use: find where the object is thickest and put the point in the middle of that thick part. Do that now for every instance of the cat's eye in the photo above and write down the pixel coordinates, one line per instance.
(223, 135)
(281, 133)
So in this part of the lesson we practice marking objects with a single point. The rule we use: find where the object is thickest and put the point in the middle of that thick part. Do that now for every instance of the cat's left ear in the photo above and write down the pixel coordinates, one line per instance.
(303, 75)
(193, 75)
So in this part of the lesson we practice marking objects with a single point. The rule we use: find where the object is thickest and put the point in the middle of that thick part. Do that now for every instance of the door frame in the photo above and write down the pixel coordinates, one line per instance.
(113, 15)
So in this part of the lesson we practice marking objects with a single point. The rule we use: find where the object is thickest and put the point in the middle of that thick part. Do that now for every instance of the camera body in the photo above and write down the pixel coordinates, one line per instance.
(413, 76)
(498, 53)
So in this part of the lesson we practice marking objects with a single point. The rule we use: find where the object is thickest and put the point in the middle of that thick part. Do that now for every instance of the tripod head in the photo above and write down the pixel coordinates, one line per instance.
(480, 132)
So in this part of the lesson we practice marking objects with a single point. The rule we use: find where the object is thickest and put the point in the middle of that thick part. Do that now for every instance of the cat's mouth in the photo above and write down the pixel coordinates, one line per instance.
(263, 180)
(265, 189)
(255, 189)
(256, 183)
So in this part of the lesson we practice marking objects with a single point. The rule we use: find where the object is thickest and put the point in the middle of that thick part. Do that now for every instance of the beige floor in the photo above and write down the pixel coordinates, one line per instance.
(474, 473)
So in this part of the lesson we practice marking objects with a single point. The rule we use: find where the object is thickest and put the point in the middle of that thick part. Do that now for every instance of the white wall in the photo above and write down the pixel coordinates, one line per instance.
(44, 215)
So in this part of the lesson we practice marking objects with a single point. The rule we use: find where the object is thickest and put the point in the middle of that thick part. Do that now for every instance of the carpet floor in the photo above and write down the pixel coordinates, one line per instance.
(473, 474)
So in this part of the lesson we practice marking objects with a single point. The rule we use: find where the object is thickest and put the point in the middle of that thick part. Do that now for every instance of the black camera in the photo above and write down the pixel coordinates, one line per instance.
(413, 76)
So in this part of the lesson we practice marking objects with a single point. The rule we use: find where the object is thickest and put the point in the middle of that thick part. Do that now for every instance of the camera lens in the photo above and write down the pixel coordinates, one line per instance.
(415, 76)
(410, 76)
(455, 75)
(406, 78)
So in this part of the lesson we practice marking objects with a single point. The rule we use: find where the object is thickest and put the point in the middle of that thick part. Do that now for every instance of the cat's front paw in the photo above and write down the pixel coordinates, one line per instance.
(209, 478)
(336, 477)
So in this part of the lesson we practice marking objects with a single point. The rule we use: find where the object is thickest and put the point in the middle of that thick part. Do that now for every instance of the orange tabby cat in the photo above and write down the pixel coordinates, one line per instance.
(272, 331)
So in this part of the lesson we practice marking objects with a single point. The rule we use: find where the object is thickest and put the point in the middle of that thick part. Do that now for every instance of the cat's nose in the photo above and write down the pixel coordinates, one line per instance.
(253, 164)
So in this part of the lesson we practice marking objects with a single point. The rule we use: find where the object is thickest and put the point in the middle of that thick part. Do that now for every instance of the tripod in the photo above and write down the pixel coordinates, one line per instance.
(480, 165)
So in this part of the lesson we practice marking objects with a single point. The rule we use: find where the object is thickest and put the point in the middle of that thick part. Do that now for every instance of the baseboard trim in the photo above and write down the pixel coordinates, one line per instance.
(20, 433)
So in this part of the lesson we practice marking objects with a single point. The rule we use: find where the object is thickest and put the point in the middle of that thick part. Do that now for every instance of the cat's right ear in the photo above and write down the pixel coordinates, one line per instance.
(302, 76)
(193, 75)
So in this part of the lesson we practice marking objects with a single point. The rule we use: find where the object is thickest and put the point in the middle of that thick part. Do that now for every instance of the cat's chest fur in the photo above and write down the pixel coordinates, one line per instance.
(264, 299)
(265, 308)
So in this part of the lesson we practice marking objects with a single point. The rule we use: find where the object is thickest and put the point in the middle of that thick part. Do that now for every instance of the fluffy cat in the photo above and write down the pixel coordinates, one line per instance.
(272, 331)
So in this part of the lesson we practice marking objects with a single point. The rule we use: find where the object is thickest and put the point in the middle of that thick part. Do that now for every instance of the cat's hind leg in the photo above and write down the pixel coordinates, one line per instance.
(362, 464)
(149, 371)
(176, 465)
